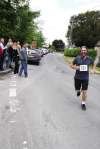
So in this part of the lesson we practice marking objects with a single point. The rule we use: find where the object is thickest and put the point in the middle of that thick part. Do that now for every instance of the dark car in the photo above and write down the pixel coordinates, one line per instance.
(33, 56)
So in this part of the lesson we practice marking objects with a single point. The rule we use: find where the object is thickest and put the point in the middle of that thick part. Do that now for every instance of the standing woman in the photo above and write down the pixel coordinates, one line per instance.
(15, 57)
(10, 52)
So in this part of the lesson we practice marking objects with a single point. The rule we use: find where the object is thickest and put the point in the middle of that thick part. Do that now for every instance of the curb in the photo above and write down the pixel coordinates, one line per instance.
(5, 71)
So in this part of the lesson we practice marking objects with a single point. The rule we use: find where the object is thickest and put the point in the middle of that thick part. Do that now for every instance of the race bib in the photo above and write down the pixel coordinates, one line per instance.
(83, 68)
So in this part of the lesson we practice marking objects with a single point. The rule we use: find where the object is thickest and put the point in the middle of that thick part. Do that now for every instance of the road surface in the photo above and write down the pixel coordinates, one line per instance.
(43, 112)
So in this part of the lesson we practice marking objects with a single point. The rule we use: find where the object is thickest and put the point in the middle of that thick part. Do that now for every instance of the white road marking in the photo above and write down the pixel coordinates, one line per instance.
(14, 105)
(12, 81)
(25, 142)
(12, 109)
(13, 85)
(12, 92)
(12, 121)
(14, 76)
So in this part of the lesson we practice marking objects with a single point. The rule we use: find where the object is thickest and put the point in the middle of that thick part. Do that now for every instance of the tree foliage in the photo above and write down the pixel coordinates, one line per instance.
(25, 23)
(58, 45)
(84, 29)
(17, 21)
(7, 19)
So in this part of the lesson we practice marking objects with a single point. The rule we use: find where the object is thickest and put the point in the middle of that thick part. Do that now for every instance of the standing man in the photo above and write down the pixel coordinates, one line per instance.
(23, 58)
(81, 80)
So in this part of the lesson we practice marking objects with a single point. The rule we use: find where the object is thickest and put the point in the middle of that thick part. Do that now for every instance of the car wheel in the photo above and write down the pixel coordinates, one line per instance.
(38, 63)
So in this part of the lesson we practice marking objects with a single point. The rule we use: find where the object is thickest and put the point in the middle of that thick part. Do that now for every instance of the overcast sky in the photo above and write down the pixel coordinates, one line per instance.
(55, 15)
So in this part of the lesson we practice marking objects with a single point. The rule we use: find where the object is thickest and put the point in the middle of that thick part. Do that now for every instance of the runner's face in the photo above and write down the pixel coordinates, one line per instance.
(83, 52)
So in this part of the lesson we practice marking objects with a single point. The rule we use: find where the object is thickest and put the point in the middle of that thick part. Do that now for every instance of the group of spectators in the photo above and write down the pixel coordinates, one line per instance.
(12, 54)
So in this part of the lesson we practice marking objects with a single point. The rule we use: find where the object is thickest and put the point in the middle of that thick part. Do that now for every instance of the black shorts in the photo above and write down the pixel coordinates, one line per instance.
(81, 84)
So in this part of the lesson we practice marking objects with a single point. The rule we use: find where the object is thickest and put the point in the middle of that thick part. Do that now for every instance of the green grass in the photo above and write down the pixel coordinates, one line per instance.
(69, 60)
(97, 69)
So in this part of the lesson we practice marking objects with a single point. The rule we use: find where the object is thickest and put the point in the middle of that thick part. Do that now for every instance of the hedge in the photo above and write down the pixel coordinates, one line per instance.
(73, 52)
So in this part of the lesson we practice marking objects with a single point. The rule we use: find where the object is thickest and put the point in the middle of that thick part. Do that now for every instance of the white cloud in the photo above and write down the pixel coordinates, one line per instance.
(55, 14)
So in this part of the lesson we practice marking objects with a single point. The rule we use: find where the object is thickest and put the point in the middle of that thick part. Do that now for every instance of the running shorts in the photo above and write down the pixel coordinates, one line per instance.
(81, 84)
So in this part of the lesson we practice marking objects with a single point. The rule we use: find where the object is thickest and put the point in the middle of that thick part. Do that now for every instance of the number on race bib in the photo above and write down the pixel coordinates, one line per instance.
(83, 68)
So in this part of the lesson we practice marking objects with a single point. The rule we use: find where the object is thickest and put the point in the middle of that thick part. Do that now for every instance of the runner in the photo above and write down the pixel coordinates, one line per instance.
(81, 80)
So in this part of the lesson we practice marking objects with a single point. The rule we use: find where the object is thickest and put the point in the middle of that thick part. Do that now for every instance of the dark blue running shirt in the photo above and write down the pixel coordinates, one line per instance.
(82, 75)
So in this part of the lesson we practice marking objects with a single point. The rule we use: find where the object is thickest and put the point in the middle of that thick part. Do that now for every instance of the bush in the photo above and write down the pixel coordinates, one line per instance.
(72, 52)
(76, 51)
(92, 53)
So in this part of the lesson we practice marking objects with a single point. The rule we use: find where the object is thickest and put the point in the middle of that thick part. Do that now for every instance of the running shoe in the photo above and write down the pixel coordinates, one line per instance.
(78, 93)
(83, 106)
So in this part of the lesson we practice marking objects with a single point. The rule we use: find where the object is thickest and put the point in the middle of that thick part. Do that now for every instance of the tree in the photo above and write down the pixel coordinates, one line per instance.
(25, 26)
(58, 45)
(17, 21)
(7, 19)
(39, 38)
(84, 29)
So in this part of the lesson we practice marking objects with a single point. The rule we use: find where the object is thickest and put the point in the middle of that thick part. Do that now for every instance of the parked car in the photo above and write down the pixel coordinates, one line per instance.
(33, 56)
(39, 51)
(45, 51)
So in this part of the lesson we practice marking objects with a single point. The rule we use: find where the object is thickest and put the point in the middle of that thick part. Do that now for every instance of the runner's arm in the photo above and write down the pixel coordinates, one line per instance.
(93, 66)
(74, 65)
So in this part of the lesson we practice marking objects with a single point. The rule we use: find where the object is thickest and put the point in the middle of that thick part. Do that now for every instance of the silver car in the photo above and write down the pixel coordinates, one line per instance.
(33, 56)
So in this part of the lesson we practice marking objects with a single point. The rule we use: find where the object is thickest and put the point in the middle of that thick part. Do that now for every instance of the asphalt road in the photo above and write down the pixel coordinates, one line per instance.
(43, 112)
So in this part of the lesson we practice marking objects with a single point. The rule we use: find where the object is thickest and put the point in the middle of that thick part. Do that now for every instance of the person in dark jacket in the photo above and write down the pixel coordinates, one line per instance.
(23, 58)
(10, 52)
(15, 57)
(1, 55)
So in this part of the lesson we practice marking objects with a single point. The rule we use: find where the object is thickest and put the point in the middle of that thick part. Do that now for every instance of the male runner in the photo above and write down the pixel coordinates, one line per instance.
(81, 80)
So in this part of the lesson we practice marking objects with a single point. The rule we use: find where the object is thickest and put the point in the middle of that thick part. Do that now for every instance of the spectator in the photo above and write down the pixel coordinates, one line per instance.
(1, 53)
(23, 58)
(10, 52)
(18, 45)
(15, 57)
